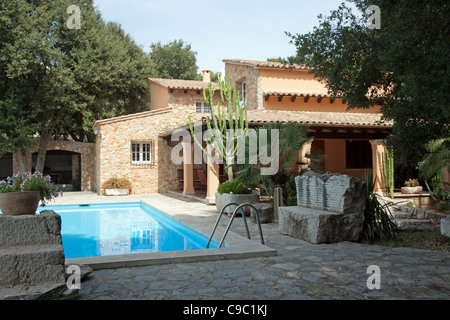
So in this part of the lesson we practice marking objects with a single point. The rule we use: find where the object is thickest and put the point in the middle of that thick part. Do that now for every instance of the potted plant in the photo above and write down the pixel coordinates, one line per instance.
(234, 191)
(117, 187)
(412, 187)
(21, 193)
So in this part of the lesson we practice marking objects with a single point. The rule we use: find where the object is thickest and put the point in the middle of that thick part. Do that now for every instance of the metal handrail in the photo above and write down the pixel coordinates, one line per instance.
(231, 221)
(218, 219)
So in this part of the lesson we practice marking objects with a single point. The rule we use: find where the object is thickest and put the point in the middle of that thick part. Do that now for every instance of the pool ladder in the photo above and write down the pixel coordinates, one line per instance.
(239, 207)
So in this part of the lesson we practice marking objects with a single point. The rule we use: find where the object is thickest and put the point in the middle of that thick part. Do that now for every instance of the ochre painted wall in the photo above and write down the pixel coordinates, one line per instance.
(335, 161)
(159, 96)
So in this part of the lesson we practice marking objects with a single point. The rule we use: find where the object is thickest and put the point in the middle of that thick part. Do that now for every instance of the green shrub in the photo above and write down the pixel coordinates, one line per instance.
(234, 186)
(378, 220)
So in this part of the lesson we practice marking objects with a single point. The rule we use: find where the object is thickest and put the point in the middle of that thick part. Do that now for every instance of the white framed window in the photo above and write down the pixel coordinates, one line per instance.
(202, 107)
(141, 152)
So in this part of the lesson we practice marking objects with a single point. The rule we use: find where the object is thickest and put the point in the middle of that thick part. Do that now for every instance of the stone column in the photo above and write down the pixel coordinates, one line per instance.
(188, 169)
(212, 177)
(377, 147)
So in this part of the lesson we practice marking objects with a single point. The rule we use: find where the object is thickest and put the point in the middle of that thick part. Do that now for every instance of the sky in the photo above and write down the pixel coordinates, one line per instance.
(217, 30)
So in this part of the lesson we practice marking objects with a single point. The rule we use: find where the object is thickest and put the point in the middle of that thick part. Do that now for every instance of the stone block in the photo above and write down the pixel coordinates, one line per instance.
(44, 228)
(31, 265)
(330, 192)
(318, 226)
(264, 212)
(330, 209)
(445, 226)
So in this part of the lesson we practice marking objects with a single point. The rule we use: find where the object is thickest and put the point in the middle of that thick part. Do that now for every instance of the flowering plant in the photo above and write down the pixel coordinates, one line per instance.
(446, 192)
(412, 183)
(21, 182)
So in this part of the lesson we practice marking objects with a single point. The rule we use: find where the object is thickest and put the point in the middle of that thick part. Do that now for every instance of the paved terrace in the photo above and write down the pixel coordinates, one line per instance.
(299, 271)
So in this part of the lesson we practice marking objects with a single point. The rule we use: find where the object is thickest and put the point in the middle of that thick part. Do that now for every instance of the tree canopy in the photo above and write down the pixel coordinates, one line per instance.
(404, 66)
(174, 60)
(55, 79)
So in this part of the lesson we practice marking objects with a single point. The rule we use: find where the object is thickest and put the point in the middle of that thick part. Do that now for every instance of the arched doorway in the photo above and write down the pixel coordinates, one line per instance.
(63, 167)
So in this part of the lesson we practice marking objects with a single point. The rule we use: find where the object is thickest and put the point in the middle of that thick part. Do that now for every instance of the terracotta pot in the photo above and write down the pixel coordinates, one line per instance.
(19, 203)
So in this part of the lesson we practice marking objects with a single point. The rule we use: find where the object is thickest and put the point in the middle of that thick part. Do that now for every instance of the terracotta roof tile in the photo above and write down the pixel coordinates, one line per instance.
(309, 118)
(183, 84)
(267, 64)
(131, 116)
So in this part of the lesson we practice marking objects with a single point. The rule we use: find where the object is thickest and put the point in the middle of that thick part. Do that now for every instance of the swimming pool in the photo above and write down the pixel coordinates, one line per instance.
(96, 230)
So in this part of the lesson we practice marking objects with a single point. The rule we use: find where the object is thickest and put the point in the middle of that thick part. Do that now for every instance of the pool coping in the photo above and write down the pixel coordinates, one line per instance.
(238, 248)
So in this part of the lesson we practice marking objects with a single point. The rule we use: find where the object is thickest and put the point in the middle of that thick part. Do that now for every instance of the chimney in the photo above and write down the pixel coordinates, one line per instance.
(206, 75)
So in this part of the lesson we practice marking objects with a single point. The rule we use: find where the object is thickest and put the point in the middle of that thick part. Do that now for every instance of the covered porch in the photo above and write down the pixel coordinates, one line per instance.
(350, 141)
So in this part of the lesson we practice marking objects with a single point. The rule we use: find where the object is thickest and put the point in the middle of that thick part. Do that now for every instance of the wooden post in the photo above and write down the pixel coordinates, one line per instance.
(277, 202)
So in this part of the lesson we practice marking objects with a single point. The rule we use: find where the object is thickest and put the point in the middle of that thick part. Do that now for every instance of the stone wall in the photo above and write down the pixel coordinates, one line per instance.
(249, 75)
(87, 154)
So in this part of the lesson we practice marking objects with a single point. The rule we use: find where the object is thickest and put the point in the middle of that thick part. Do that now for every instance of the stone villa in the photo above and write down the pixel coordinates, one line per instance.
(139, 147)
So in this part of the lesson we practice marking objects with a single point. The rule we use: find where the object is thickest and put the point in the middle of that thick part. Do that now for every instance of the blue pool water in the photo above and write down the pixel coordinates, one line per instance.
(124, 228)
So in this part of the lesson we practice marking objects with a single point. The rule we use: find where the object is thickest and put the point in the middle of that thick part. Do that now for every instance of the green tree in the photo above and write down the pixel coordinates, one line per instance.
(58, 80)
(402, 67)
(174, 60)
(34, 77)
(437, 159)
(110, 70)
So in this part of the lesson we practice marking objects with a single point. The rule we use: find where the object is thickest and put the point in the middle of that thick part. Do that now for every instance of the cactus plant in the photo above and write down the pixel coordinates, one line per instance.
(386, 163)
(228, 122)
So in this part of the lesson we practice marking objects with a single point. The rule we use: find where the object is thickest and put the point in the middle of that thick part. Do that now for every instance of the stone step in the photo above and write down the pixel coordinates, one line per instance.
(416, 222)
(415, 225)
(401, 215)
(31, 265)
(26, 292)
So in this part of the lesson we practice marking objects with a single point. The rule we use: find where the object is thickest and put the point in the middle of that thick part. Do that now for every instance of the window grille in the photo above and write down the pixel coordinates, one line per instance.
(142, 153)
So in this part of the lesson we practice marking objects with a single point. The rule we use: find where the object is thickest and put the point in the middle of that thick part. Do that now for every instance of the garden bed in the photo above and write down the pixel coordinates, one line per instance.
(427, 240)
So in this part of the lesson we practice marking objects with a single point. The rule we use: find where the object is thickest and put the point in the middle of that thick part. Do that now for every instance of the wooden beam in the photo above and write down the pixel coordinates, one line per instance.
(332, 100)
(280, 98)
(266, 97)
(307, 99)
(344, 133)
(293, 98)
(319, 100)
(344, 101)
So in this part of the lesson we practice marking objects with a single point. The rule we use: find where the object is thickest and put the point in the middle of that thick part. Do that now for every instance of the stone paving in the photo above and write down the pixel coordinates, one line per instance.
(300, 271)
